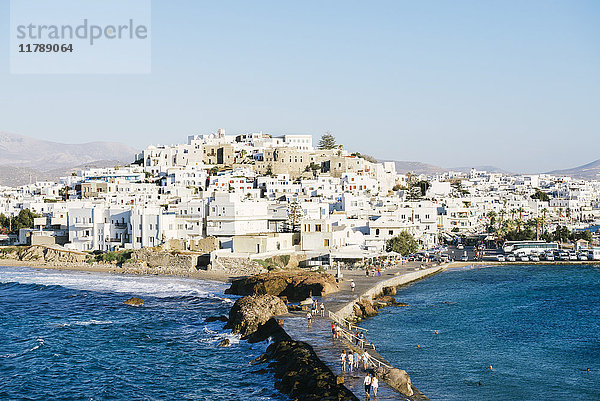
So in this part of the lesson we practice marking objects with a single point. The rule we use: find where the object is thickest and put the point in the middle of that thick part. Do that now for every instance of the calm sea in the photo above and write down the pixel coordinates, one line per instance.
(68, 336)
(537, 326)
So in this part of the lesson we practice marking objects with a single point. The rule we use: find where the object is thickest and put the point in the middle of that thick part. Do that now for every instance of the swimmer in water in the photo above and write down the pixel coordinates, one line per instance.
(419, 346)
(437, 332)
(491, 368)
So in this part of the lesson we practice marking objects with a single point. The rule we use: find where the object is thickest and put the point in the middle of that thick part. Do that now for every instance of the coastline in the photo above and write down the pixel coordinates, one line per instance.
(338, 302)
(214, 275)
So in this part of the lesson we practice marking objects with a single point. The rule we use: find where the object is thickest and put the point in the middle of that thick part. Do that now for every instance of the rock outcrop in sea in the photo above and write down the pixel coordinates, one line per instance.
(293, 285)
(250, 312)
(133, 301)
(298, 370)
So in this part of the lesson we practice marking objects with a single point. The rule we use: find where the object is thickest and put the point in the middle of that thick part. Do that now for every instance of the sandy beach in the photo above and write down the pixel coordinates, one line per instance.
(215, 275)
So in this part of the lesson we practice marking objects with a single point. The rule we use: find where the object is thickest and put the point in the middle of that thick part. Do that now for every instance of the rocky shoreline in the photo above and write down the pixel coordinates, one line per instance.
(367, 305)
(298, 370)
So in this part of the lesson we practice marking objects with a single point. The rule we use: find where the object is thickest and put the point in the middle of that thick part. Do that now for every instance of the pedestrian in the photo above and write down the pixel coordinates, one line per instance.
(343, 360)
(333, 330)
(374, 385)
(356, 360)
(308, 318)
(365, 358)
(367, 384)
(352, 285)
(351, 362)
(379, 272)
(322, 310)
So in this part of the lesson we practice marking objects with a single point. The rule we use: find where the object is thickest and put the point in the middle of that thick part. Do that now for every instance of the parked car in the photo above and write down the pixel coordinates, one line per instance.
(549, 256)
(460, 246)
(563, 256)
(511, 258)
(534, 258)
(572, 256)
(524, 258)
(582, 256)
(500, 258)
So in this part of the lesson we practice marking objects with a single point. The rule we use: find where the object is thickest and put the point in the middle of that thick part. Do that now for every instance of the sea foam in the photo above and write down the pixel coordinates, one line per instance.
(161, 287)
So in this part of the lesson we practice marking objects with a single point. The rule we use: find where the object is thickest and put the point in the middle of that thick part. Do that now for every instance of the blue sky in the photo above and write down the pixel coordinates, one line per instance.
(514, 84)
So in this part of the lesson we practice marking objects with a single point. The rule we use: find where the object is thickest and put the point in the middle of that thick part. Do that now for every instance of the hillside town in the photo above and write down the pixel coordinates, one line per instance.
(256, 195)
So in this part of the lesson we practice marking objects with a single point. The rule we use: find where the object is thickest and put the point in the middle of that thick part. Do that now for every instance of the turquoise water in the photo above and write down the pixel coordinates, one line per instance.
(538, 326)
(68, 336)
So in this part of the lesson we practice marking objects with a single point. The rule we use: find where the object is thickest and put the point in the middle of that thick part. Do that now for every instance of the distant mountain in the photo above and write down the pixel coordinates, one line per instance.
(11, 176)
(22, 151)
(490, 169)
(24, 160)
(590, 171)
(404, 167)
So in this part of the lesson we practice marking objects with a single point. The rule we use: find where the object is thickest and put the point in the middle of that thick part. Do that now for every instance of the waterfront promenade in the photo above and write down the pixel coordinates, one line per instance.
(318, 334)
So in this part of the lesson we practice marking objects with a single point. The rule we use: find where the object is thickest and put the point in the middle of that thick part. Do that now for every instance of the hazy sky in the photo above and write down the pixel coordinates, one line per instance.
(514, 84)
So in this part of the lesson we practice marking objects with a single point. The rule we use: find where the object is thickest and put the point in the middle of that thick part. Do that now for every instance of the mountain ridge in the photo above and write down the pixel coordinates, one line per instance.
(588, 171)
(26, 152)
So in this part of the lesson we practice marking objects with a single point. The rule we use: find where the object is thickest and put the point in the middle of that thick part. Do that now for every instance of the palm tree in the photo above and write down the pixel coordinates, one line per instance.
(492, 216)
(520, 210)
(544, 211)
(559, 211)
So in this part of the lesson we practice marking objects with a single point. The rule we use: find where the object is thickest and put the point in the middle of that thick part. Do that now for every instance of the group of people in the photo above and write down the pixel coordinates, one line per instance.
(315, 309)
(351, 360)
(371, 382)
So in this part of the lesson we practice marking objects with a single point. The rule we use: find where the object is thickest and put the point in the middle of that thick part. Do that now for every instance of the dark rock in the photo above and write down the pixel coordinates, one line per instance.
(385, 299)
(215, 319)
(366, 308)
(401, 304)
(249, 312)
(389, 291)
(272, 328)
(133, 301)
(399, 380)
(294, 285)
(225, 343)
(302, 375)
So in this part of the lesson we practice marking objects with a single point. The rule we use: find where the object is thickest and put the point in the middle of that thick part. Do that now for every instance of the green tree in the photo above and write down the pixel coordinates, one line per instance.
(294, 216)
(561, 234)
(540, 195)
(492, 218)
(368, 158)
(585, 235)
(404, 243)
(23, 220)
(327, 142)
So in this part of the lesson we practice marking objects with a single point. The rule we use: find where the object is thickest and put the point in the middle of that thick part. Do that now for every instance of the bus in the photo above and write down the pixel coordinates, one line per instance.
(529, 247)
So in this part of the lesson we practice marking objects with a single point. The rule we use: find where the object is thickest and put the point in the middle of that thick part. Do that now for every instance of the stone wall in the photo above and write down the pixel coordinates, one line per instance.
(235, 266)
(159, 258)
(203, 245)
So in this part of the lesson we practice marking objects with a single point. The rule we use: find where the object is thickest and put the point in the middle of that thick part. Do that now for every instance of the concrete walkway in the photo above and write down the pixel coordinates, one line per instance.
(318, 335)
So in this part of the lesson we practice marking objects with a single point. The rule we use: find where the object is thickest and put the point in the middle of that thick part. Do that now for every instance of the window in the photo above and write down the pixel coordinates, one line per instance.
(318, 228)
(326, 242)
(391, 232)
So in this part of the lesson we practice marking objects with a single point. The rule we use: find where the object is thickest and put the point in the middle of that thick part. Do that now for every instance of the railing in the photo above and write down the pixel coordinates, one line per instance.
(344, 322)
(350, 337)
